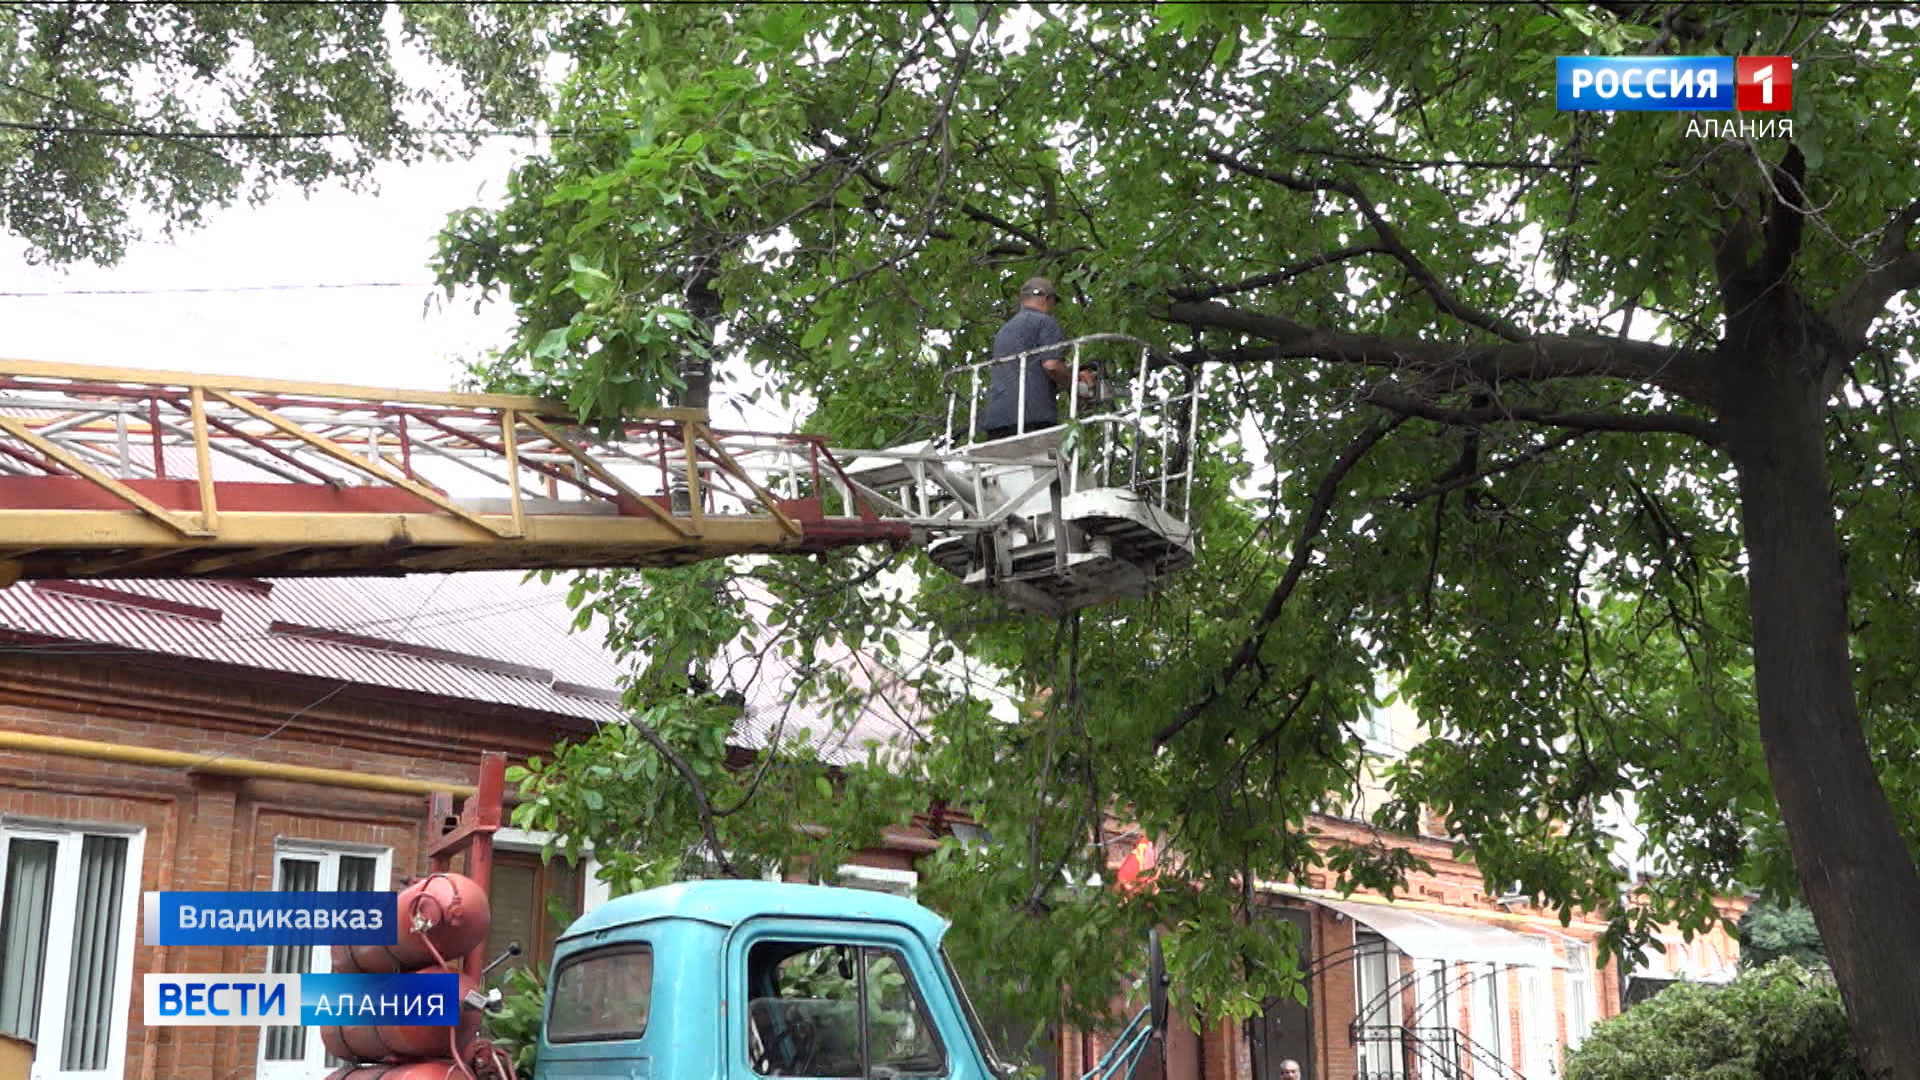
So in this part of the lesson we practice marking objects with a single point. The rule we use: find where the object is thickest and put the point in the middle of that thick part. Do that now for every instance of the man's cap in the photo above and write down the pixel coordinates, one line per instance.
(1037, 286)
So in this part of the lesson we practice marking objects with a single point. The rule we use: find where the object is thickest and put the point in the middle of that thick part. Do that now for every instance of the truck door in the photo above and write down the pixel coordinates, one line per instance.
(823, 998)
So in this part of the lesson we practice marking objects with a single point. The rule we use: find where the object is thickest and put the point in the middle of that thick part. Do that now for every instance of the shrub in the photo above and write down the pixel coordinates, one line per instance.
(1779, 1022)
(516, 1028)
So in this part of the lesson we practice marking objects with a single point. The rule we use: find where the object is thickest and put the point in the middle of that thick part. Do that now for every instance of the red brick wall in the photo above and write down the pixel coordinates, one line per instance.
(208, 832)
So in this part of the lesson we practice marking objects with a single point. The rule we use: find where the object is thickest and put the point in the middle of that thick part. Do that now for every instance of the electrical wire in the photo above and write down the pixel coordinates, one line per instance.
(225, 289)
(322, 699)
(296, 136)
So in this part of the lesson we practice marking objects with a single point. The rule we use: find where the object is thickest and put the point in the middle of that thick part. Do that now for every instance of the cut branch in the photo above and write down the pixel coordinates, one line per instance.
(1310, 530)
(1389, 238)
(1450, 366)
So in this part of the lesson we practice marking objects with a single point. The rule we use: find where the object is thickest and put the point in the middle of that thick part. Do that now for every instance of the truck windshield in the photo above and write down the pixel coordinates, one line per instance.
(973, 1019)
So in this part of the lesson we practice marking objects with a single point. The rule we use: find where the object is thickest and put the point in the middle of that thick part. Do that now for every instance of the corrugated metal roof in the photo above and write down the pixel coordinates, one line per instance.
(492, 637)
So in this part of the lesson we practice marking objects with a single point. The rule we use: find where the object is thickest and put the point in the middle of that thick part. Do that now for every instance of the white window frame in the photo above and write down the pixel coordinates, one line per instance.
(884, 879)
(320, 962)
(1375, 728)
(1431, 1009)
(67, 837)
(1489, 989)
(1377, 1059)
(1539, 1027)
(1582, 983)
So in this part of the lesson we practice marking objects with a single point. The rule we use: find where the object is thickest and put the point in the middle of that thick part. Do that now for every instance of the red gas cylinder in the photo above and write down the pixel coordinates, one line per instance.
(397, 1042)
(452, 917)
(412, 1070)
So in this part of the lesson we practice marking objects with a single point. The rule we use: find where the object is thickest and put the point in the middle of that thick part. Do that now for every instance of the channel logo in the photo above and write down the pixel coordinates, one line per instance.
(1674, 83)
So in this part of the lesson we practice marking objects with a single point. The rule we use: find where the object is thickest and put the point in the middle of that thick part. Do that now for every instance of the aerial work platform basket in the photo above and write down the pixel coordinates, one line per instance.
(1085, 511)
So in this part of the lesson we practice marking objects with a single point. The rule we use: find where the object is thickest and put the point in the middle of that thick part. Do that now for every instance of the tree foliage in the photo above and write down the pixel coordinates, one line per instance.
(1769, 932)
(1774, 1023)
(1503, 401)
(110, 110)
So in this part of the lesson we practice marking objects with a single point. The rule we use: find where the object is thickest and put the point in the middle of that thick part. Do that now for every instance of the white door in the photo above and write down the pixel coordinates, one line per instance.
(1538, 1025)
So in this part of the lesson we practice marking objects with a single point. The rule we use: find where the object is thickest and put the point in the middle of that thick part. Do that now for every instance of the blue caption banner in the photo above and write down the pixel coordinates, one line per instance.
(272, 918)
(423, 1000)
(175, 999)
(1645, 83)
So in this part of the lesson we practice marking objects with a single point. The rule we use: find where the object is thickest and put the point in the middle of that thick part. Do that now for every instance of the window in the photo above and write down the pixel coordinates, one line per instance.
(1580, 999)
(287, 1053)
(1490, 1029)
(1376, 727)
(1434, 1008)
(602, 996)
(813, 1006)
(1377, 1006)
(524, 893)
(66, 945)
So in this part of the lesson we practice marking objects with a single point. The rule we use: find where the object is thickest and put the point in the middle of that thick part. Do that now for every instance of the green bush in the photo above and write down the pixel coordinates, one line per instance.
(516, 1027)
(1776, 1023)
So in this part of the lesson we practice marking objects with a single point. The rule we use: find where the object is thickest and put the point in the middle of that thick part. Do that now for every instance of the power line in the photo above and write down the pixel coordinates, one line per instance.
(256, 135)
(226, 289)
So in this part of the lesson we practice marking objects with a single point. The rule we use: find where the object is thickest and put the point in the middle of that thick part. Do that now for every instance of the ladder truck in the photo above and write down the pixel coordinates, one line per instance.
(113, 472)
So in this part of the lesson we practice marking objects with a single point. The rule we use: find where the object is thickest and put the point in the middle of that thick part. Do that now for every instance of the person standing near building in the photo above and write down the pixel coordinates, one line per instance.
(1041, 370)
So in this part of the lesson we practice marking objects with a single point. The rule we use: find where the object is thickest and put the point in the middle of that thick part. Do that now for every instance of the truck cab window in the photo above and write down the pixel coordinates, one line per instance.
(835, 1010)
(602, 996)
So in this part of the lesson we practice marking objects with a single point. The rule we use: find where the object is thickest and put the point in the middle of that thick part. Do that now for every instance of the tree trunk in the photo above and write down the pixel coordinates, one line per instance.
(1852, 862)
(704, 305)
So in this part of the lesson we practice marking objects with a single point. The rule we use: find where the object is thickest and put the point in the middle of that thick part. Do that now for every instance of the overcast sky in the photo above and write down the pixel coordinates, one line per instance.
(379, 336)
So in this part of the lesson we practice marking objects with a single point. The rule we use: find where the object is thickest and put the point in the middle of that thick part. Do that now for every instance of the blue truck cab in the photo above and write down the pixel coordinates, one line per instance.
(750, 979)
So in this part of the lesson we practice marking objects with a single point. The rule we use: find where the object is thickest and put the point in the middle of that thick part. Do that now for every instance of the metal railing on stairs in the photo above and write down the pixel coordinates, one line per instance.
(1396, 1052)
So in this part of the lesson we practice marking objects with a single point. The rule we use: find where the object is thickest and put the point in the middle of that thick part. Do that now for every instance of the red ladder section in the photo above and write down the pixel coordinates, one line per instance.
(110, 472)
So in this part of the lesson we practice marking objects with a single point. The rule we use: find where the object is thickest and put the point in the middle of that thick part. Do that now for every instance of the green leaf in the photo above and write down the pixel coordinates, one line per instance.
(1224, 49)
(816, 334)
(580, 266)
(553, 344)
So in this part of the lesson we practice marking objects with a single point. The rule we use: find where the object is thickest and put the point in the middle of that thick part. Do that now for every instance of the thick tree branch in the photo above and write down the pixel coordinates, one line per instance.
(1310, 530)
(1284, 275)
(702, 804)
(1448, 366)
(1894, 269)
(1400, 400)
(1786, 218)
(1384, 161)
(1389, 238)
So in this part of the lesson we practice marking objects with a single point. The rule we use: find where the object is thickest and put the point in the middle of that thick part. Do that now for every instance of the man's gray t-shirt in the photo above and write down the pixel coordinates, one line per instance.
(1028, 329)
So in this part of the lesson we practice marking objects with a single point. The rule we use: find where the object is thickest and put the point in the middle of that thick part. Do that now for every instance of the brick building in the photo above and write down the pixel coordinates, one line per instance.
(402, 683)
